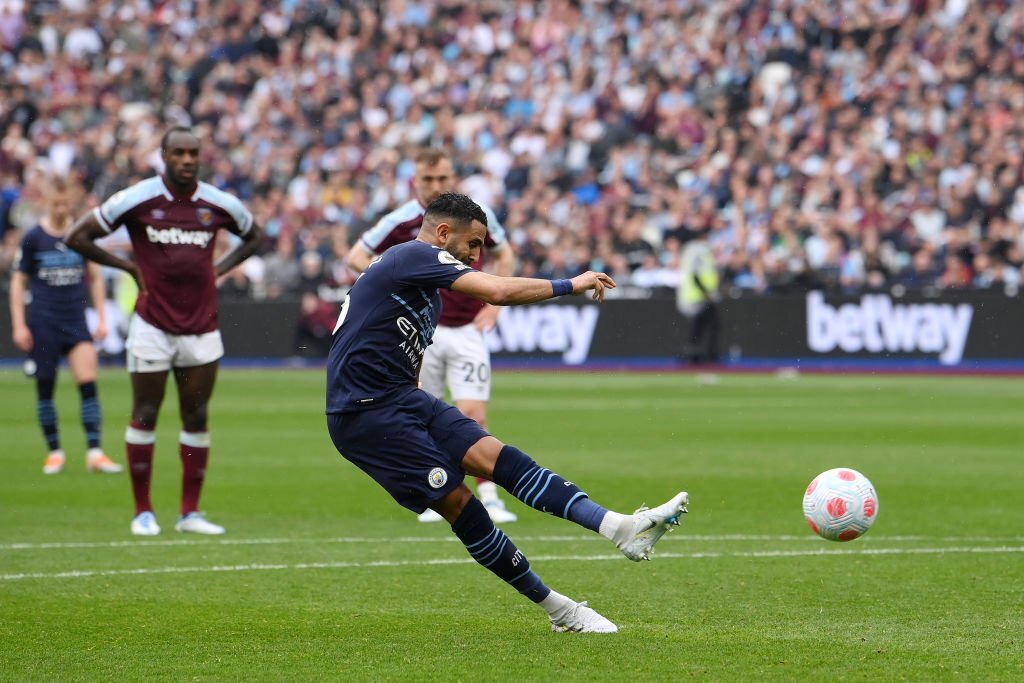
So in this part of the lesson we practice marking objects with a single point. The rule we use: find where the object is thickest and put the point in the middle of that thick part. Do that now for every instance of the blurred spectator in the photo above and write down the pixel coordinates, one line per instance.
(281, 270)
(822, 144)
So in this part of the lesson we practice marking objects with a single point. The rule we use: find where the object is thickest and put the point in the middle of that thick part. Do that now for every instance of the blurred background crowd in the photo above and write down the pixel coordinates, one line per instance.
(842, 144)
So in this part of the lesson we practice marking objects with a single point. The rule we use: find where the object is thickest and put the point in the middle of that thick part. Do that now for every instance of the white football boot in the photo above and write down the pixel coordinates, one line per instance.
(195, 523)
(145, 524)
(581, 619)
(649, 525)
(428, 516)
(498, 513)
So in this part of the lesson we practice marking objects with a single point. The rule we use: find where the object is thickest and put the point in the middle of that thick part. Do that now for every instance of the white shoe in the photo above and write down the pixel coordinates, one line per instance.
(54, 463)
(650, 524)
(581, 619)
(96, 461)
(195, 523)
(428, 516)
(145, 524)
(498, 513)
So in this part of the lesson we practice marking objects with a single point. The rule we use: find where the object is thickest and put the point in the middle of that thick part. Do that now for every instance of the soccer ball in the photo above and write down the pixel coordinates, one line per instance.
(840, 504)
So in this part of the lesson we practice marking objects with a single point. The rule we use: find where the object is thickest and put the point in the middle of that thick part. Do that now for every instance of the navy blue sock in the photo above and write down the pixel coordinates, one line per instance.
(90, 411)
(491, 547)
(543, 490)
(46, 411)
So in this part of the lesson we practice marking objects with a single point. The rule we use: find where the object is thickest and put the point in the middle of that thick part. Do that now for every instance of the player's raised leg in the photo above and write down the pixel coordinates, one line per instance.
(82, 362)
(140, 439)
(195, 387)
(635, 535)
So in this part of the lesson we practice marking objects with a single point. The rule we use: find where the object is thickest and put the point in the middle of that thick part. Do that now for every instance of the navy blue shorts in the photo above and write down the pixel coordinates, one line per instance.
(412, 447)
(50, 341)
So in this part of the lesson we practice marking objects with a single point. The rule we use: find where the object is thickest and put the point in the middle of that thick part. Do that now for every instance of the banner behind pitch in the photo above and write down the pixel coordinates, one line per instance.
(954, 329)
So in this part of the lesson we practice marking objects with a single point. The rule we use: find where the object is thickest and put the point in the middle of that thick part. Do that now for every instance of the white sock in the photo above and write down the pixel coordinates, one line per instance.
(616, 527)
(94, 453)
(487, 491)
(557, 604)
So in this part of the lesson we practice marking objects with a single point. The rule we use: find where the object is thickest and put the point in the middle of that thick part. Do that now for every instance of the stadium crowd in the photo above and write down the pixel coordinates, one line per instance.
(857, 144)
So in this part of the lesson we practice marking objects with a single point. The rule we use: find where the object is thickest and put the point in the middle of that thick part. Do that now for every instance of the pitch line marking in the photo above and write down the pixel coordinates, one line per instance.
(79, 545)
(87, 573)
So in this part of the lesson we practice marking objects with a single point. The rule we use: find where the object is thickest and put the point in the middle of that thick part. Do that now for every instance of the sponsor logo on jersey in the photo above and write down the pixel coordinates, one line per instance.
(199, 238)
(878, 325)
(205, 217)
(437, 478)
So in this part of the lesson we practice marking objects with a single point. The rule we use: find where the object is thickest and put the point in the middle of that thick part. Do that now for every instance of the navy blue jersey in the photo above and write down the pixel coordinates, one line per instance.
(56, 277)
(386, 323)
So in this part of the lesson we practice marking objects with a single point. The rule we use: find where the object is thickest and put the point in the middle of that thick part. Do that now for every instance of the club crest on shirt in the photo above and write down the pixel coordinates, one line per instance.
(437, 478)
(205, 217)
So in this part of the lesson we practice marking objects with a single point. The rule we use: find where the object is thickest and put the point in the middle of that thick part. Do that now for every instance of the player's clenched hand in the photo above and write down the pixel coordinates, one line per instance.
(22, 338)
(590, 280)
(101, 331)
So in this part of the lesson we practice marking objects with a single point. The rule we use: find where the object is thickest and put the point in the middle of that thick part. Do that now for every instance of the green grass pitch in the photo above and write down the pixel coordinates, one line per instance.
(322, 577)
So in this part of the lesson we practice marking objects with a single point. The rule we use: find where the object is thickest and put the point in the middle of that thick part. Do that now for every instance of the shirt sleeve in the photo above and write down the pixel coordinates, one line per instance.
(239, 214)
(111, 212)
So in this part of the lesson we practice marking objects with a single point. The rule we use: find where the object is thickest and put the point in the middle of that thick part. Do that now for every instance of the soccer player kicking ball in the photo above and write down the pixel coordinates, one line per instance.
(419, 448)
(458, 358)
(172, 220)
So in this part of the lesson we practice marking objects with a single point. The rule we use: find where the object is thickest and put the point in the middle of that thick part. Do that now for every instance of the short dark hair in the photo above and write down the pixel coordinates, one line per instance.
(455, 207)
(177, 129)
(430, 156)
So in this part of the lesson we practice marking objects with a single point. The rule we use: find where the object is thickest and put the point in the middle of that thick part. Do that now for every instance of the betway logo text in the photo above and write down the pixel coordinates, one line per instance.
(549, 329)
(199, 238)
(876, 324)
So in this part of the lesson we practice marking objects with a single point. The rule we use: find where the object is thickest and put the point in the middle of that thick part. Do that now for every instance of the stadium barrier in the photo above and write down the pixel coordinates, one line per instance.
(957, 329)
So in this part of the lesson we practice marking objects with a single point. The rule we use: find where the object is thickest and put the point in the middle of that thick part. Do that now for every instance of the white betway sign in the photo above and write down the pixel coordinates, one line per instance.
(877, 324)
(548, 329)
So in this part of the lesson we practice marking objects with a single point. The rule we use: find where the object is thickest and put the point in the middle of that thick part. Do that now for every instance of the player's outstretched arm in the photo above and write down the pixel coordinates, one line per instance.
(512, 291)
(82, 238)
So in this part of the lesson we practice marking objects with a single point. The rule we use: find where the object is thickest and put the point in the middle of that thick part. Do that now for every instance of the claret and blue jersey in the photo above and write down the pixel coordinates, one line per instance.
(386, 323)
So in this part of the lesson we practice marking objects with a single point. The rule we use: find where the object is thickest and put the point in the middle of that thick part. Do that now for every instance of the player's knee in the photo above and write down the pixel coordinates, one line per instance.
(145, 414)
(194, 417)
(452, 505)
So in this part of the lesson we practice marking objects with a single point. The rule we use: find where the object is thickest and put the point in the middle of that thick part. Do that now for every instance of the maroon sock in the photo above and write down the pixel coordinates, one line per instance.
(194, 448)
(139, 442)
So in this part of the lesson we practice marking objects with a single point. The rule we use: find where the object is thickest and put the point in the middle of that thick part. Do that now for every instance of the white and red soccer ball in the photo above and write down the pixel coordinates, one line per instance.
(840, 504)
